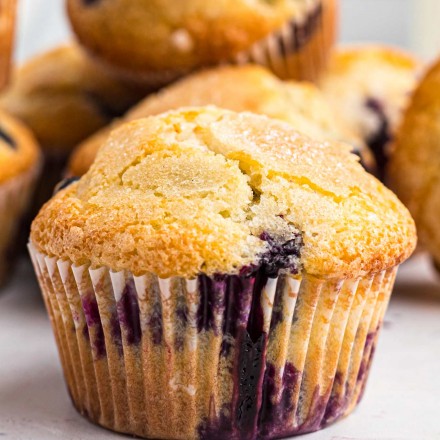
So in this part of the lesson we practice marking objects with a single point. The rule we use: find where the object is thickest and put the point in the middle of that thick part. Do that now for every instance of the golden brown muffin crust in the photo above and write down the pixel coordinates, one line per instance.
(192, 191)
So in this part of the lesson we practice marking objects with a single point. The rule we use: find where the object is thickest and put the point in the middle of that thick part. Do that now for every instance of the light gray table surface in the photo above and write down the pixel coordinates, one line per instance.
(402, 401)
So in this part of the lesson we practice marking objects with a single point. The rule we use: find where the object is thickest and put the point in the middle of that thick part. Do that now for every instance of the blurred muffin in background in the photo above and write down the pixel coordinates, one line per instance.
(19, 167)
(414, 169)
(64, 97)
(8, 11)
(370, 87)
(156, 41)
(239, 88)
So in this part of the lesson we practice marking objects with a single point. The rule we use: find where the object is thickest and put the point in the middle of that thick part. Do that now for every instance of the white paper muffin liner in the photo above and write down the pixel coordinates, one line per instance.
(300, 49)
(212, 358)
(14, 199)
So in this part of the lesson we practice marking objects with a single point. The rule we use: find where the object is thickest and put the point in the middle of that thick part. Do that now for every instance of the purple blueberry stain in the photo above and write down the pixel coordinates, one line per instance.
(93, 320)
(314, 419)
(278, 404)
(219, 428)
(128, 313)
(116, 334)
(155, 323)
(364, 364)
(181, 321)
(212, 302)
(250, 371)
(336, 403)
(238, 301)
(277, 311)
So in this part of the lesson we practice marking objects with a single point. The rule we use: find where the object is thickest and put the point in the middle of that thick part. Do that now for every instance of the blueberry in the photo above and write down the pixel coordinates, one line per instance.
(5, 137)
(90, 2)
(381, 137)
(280, 255)
(65, 183)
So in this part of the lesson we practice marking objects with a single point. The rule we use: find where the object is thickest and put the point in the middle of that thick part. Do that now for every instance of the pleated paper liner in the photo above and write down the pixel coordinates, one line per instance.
(212, 358)
(300, 49)
(14, 197)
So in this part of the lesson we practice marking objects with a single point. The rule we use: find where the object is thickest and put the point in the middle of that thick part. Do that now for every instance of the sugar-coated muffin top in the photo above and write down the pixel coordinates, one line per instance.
(153, 35)
(18, 148)
(414, 171)
(64, 97)
(205, 190)
(238, 88)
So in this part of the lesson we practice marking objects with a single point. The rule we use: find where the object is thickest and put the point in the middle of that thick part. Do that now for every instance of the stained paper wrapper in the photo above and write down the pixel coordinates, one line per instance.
(14, 198)
(212, 358)
(300, 49)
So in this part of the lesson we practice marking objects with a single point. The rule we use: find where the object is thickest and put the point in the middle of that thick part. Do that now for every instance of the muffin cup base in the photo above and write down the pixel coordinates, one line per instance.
(226, 356)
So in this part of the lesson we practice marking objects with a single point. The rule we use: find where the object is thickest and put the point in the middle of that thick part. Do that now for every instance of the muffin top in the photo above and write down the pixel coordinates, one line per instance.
(205, 190)
(145, 36)
(414, 167)
(18, 148)
(360, 74)
(239, 88)
(64, 97)
(370, 86)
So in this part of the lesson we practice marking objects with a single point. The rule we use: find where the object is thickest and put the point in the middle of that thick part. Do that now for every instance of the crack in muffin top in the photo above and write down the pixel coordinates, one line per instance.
(196, 191)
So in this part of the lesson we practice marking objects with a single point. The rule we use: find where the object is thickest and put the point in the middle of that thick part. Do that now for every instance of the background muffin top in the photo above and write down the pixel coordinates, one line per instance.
(157, 35)
(200, 190)
(64, 97)
(238, 88)
(18, 148)
(370, 86)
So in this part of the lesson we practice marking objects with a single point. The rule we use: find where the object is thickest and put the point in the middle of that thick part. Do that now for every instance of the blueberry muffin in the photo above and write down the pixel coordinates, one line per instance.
(220, 268)
(64, 97)
(19, 164)
(157, 40)
(370, 86)
(239, 88)
(414, 168)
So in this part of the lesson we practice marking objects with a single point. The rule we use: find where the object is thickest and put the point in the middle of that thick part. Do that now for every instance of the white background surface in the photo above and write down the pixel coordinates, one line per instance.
(401, 402)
